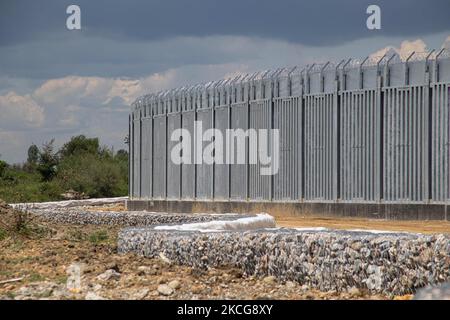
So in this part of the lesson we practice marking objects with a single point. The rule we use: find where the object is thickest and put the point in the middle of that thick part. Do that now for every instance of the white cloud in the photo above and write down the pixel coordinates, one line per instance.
(404, 50)
(446, 43)
(19, 112)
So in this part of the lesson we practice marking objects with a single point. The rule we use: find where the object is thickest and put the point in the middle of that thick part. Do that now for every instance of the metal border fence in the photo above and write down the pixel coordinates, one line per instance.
(363, 131)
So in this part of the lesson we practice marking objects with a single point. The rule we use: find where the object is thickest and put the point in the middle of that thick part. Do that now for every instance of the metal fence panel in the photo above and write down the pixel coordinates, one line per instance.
(137, 154)
(321, 132)
(130, 155)
(360, 145)
(440, 145)
(173, 169)
(147, 155)
(221, 170)
(319, 151)
(260, 118)
(188, 170)
(204, 171)
(405, 143)
(239, 171)
(288, 120)
(159, 156)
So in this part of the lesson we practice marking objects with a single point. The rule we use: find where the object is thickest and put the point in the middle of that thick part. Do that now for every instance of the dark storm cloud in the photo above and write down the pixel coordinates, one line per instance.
(316, 22)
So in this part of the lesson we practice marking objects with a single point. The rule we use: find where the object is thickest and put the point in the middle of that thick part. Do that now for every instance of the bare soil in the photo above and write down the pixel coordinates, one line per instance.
(426, 227)
(39, 256)
(41, 253)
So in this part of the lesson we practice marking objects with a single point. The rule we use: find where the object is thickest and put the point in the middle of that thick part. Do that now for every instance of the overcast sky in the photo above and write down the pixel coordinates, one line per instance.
(56, 83)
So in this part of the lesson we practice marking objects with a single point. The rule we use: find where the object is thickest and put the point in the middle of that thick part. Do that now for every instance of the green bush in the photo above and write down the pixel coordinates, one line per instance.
(93, 175)
(3, 166)
(80, 165)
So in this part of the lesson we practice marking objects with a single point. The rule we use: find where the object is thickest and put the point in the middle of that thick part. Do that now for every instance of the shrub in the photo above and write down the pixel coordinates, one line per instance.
(3, 166)
(93, 175)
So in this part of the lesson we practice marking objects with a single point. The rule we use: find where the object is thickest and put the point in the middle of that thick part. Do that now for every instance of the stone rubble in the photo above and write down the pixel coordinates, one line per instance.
(165, 290)
(82, 216)
(109, 274)
(388, 263)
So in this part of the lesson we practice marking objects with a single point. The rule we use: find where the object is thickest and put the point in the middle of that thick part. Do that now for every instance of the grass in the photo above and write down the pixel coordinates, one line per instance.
(18, 223)
(98, 237)
(3, 234)
(76, 235)
(35, 277)
(61, 279)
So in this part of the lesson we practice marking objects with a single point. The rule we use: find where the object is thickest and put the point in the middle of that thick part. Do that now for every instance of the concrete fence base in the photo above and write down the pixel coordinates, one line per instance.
(389, 211)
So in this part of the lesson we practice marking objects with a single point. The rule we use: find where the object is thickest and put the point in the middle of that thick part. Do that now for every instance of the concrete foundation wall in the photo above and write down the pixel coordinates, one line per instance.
(391, 211)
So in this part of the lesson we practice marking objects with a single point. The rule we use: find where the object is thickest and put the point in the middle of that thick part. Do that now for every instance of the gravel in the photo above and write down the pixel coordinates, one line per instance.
(83, 216)
(388, 263)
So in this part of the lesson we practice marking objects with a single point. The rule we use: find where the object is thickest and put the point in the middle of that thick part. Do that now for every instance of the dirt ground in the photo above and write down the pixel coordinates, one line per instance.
(36, 263)
(426, 227)
(42, 263)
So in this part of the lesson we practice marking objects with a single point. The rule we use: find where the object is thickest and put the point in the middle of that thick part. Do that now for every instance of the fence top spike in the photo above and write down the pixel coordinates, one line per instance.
(381, 59)
(346, 64)
(339, 64)
(253, 76)
(429, 55)
(324, 66)
(235, 79)
(391, 57)
(310, 67)
(279, 71)
(410, 56)
(439, 53)
(264, 74)
(292, 70)
(364, 61)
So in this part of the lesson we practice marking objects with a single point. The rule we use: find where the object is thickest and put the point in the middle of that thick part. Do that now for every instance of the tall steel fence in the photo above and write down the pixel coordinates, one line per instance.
(371, 130)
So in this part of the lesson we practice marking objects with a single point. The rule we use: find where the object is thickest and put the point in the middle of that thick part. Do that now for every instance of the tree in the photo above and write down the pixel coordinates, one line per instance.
(122, 155)
(47, 161)
(33, 154)
(3, 166)
(80, 145)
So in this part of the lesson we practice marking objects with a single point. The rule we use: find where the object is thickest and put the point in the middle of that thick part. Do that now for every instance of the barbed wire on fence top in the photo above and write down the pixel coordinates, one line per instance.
(281, 74)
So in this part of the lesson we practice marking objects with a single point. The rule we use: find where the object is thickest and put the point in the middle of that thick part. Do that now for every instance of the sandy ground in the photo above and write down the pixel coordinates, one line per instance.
(426, 227)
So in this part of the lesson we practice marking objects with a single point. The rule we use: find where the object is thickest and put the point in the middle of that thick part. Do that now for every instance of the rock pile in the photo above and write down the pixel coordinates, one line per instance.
(122, 218)
(388, 263)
